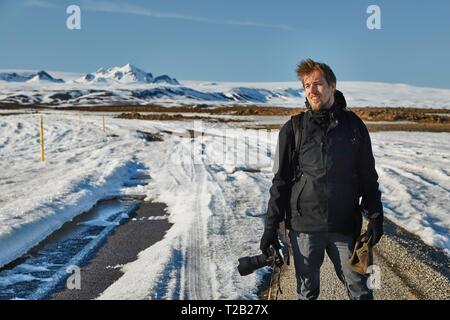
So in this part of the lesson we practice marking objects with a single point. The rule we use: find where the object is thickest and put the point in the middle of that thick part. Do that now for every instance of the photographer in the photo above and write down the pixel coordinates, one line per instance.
(323, 164)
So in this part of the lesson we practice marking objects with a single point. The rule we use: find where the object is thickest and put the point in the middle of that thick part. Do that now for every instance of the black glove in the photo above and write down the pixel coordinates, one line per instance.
(270, 237)
(374, 230)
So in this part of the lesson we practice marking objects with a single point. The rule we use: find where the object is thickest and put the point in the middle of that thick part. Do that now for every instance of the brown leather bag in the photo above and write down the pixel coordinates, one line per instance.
(362, 256)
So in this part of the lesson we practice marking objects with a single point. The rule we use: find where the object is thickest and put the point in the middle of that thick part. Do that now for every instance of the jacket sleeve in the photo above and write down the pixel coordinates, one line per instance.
(368, 177)
(279, 191)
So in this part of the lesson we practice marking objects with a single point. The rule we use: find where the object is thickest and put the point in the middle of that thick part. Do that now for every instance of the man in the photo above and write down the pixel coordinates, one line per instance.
(316, 190)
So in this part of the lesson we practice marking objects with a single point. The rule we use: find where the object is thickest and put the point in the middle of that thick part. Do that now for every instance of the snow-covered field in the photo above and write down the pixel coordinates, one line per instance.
(215, 187)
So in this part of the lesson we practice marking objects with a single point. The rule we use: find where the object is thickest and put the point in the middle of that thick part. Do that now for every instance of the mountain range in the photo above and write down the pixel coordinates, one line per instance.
(127, 74)
(28, 77)
(129, 85)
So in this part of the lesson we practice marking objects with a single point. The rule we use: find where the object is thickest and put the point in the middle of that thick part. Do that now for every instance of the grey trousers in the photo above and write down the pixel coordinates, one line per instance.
(308, 250)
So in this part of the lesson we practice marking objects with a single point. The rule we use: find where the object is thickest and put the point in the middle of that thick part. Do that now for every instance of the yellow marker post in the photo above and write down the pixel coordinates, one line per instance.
(42, 138)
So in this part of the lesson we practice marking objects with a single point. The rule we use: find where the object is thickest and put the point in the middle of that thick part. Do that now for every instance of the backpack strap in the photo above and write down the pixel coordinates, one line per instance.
(297, 128)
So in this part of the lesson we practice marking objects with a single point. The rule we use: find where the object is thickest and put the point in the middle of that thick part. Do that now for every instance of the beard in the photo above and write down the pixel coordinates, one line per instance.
(319, 103)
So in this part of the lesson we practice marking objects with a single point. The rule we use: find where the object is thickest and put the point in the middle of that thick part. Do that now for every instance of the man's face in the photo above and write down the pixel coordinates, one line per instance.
(319, 93)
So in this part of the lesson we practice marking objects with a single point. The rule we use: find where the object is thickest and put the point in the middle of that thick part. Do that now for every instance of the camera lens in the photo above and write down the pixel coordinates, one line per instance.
(249, 264)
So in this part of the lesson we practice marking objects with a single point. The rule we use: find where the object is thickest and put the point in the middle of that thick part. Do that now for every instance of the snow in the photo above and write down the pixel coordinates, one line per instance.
(33, 77)
(125, 74)
(357, 93)
(129, 84)
(35, 200)
(414, 174)
(394, 94)
(215, 187)
(13, 279)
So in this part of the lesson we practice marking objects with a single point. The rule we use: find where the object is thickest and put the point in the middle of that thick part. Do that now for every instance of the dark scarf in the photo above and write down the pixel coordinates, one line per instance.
(322, 117)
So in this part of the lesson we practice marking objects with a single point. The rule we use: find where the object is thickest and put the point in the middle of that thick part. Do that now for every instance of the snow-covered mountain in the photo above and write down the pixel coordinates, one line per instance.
(44, 76)
(28, 77)
(165, 79)
(131, 85)
(158, 92)
(13, 77)
(127, 74)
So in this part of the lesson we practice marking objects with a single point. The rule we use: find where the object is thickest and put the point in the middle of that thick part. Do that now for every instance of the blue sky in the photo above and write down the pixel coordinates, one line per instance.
(232, 40)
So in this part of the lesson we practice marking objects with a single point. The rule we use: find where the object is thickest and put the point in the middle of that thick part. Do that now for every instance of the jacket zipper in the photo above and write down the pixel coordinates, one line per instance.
(300, 193)
(332, 126)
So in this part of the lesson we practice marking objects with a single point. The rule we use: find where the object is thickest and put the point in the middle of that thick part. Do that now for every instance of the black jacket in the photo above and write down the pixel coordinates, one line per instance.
(337, 168)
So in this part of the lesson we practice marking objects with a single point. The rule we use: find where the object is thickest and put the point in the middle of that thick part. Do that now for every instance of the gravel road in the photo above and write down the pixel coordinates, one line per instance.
(410, 270)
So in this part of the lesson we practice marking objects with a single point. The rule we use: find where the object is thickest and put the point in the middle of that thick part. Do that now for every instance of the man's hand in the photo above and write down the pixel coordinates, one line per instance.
(270, 237)
(374, 230)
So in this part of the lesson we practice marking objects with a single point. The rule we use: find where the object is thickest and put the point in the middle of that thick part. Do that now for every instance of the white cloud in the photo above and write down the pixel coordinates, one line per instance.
(40, 4)
(107, 6)
(126, 8)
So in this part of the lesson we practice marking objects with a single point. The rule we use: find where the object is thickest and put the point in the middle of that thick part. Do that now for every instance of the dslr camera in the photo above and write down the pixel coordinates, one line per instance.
(248, 265)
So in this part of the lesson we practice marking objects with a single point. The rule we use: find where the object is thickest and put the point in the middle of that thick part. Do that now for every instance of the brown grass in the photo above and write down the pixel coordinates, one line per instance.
(374, 127)
(170, 117)
(426, 127)
(434, 120)
(367, 113)
(403, 114)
